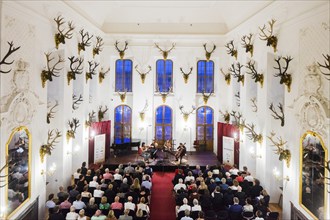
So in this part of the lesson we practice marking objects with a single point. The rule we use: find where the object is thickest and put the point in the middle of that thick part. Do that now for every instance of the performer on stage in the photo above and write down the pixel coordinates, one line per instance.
(145, 153)
(181, 151)
(153, 149)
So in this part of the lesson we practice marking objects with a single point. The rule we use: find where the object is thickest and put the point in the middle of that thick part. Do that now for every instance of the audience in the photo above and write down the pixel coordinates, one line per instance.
(72, 215)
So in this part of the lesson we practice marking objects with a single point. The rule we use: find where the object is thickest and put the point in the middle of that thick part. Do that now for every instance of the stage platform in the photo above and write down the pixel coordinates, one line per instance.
(164, 163)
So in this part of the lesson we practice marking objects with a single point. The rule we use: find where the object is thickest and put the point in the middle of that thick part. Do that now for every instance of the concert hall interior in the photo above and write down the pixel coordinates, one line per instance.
(237, 92)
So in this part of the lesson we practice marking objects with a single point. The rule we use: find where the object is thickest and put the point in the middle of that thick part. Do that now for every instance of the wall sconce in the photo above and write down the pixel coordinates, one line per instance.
(277, 175)
(254, 154)
(51, 170)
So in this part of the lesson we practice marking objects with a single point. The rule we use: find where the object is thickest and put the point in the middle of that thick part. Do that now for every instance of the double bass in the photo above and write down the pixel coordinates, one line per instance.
(181, 151)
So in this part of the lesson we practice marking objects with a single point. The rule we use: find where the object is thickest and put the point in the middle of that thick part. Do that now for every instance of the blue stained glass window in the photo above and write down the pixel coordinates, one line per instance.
(205, 76)
(124, 70)
(123, 124)
(164, 71)
(163, 124)
(204, 126)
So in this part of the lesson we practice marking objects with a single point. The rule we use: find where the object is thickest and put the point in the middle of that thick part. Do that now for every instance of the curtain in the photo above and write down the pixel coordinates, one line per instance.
(228, 130)
(99, 128)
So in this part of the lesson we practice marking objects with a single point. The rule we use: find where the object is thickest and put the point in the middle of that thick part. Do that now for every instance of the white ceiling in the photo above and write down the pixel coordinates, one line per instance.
(167, 17)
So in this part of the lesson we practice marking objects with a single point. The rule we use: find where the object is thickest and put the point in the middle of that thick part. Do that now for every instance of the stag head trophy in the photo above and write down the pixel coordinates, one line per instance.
(85, 41)
(326, 66)
(238, 120)
(164, 94)
(143, 74)
(76, 101)
(122, 95)
(187, 113)
(3, 61)
(92, 66)
(142, 113)
(276, 115)
(285, 77)
(227, 76)
(75, 68)
(236, 72)
(186, 75)
(209, 53)
(91, 117)
(74, 124)
(62, 34)
(231, 49)
(284, 154)
(101, 113)
(121, 51)
(225, 116)
(252, 134)
(258, 77)
(51, 141)
(165, 53)
(206, 96)
(102, 74)
(51, 112)
(270, 38)
(247, 43)
(52, 71)
(254, 104)
(98, 46)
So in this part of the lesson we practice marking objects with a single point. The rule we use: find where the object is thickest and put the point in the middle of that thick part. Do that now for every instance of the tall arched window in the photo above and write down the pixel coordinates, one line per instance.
(163, 130)
(164, 71)
(123, 124)
(124, 70)
(205, 76)
(204, 126)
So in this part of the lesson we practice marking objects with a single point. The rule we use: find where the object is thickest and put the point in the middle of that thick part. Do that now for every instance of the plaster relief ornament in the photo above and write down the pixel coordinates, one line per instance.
(19, 107)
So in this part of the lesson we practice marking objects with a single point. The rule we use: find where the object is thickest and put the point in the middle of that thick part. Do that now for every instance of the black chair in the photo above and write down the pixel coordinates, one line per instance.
(272, 216)
(223, 215)
(85, 200)
(181, 214)
(91, 190)
(235, 216)
(105, 211)
(51, 210)
(118, 212)
(194, 214)
(247, 215)
(97, 200)
(65, 211)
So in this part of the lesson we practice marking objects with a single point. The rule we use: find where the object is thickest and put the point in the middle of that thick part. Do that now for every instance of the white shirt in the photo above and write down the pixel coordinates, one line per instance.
(129, 205)
(143, 207)
(186, 218)
(179, 186)
(234, 171)
(196, 208)
(93, 184)
(50, 204)
(76, 175)
(117, 176)
(146, 184)
(79, 204)
(71, 216)
(98, 193)
(184, 207)
(249, 178)
(189, 178)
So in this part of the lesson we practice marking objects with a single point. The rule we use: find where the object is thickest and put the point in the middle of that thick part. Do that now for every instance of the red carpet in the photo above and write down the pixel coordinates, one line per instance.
(162, 201)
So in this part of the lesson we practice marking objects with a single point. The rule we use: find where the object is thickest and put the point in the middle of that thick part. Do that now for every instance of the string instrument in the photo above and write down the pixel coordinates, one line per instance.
(181, 151)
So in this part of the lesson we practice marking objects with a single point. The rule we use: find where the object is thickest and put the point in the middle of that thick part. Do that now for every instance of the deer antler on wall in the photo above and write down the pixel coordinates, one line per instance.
(286, 78)
(165, 53)
(225, 116)
(231, 49)
(61, 35)
(74, 124)
(252, 134)
(85, 41)
(92, 66)
(186, 113)
(206, 96)
(122, 95)
(226, 75)
(326, 66)
(101, 113)
(51, 112)
(238, 120)
(143, 74)
(247, 44)
(98, 46)
(51, 141)
(270, 38)
(91, 117)
(142, 113)
(121, 52)
(277, 115)
(258, 77)
(102, 74)
(236, 72)
(78, 69)
(51, 71)
(238, 98)
(209, 53)
(3, 61)
(284, 154)
(76, 101)
(164, 94)
(254, 104)
(186, 75)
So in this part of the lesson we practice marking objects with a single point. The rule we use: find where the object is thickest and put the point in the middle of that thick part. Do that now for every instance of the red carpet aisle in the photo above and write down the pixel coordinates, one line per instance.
(162, 200)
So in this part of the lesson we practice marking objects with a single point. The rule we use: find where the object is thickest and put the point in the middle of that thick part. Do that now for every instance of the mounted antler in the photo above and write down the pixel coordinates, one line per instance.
(286, 78)
(51, 112)
(3, 176)
(254, 104)
(85, 40)
(247, 44)
(143, 75)
(102, 74)
(325, 66)
(270, 38)
(236, 72)
(284, 154)
(101, 113)
(122, 95)
(61, 35)
(165, 52)
(258, 77)
(74, 124)
(142, 113)
(252, 135)
(276, 115)
(91, 72)
(76, 101)
(186, 75)
(225, 116)
(185, 113)
(226, 75)
(78, 69)
(238, 120)
(11, 50)
(238, 99)
(206, 96)
(209, 53)
(164, 94)
(98, 46)
(91, 117)
(51, 141)
(121, 52)
(231, 49)
(51, 71)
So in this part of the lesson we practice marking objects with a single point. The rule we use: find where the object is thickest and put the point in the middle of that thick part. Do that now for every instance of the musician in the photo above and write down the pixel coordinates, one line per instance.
(181, 151)
(145, 153)
(168, 145)
(153, 149)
